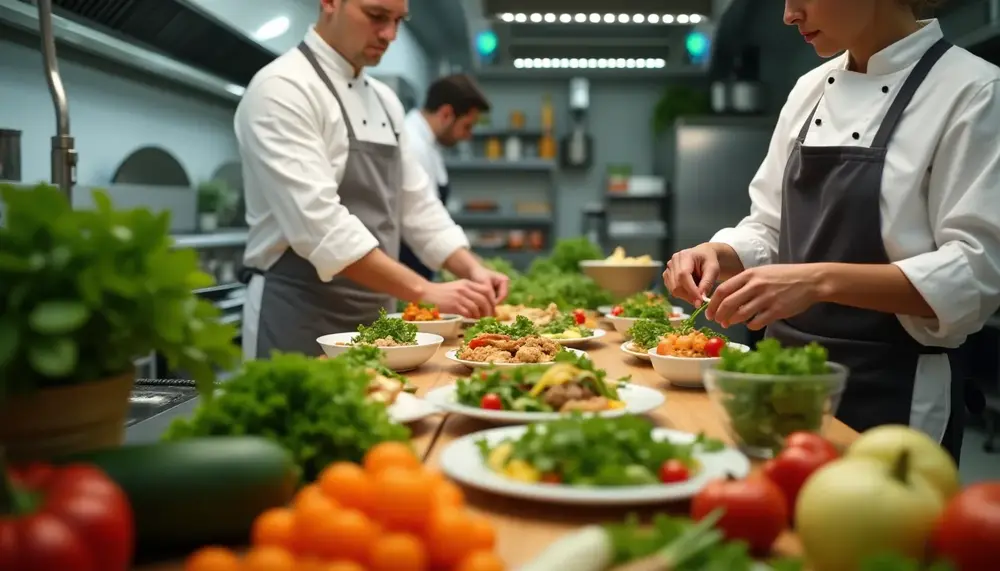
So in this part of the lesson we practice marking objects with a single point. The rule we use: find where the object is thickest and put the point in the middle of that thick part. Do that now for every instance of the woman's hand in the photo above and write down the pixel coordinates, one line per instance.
(691, 273)
(498, 282)
(760, 296)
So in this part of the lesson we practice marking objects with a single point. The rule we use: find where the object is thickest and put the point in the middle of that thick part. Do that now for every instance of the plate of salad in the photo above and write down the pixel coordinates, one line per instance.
(645, 305)
(540, 393)
(493, 343)
(404, 347)
(590, 460)
(570, 329)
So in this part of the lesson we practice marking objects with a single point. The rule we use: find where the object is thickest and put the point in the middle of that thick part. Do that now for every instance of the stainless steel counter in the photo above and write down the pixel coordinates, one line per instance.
(152, 428)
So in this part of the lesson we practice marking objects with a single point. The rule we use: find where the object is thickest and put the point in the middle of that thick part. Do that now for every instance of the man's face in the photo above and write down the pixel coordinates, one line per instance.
(831, 25)
(363, 29)
(459, 128)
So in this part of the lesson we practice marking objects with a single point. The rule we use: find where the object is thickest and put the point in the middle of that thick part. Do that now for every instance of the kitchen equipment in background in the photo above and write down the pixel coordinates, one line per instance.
(517, 120)
(594, 225)
(547, 142)
(618, 177)
(576, 150)
(532, 208)
(480, 206)
(231, 174)
(494, 150)
(742, 93)
(151, 166)
(10, 155)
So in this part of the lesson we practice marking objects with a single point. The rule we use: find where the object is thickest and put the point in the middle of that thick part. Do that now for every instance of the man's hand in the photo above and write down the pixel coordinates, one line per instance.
(464, 297)
(763, 295)
(496, 281)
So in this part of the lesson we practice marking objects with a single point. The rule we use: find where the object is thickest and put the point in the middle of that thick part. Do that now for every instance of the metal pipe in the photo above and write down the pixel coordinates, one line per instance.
(994, 12)
(63, 153)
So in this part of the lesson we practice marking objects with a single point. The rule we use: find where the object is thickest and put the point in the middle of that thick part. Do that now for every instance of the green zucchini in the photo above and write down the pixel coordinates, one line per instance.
(197, 492)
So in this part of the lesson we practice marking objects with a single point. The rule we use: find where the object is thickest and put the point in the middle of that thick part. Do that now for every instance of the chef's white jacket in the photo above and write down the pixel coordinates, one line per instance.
(425, 147)
(293, 143)
(941, 184)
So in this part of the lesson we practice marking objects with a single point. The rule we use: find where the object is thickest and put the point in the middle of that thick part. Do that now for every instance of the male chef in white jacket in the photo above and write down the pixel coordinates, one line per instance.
(331, 190)
(449, 112)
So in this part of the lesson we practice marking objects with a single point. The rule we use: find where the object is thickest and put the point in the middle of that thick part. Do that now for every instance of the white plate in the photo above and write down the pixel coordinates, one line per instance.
(577, 341)
(450, 324)
(410, 408)
(399, 359)
(622, 324)
(685, 371)
(636, 354)
(451, 356)
(462, 462)
(637, 399)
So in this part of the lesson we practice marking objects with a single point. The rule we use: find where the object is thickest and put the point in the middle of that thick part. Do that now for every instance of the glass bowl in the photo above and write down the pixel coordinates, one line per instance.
(760, 411)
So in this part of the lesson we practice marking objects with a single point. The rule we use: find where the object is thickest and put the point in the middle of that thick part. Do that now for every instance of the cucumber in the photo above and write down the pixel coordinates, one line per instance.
(197, 492)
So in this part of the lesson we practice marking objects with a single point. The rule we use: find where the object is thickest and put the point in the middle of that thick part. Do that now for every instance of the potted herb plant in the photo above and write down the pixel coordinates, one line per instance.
(213, 196)
(82, 294)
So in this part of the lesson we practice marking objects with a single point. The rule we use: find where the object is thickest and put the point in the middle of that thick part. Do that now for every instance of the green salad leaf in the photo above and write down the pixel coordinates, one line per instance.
(372, 358)
(647, 305)
(763, 412)
(596, 451)
(385, 327)
(539, 288)
(316, 409)
(513, 385)
(522, 327)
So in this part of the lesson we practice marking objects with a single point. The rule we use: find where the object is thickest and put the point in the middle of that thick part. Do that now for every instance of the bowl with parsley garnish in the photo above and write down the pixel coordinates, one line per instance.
(679, 353)
(645, 305)
(768, 393)
(429, 319)
(404, 347)
(591, 460)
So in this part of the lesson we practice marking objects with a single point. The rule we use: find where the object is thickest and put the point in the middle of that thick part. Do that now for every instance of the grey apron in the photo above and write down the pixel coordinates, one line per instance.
(296, 307)
(831, 213)
(406, 254)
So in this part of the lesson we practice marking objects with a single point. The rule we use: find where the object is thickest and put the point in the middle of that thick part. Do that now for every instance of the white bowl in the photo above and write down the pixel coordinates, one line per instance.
(685, 371)
(623, 324)
(449, 326)
(399, 359)
(621, 279)
(638, 355)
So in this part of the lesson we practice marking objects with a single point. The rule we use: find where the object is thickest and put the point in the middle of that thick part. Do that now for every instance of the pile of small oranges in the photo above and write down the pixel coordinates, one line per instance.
(388, 514)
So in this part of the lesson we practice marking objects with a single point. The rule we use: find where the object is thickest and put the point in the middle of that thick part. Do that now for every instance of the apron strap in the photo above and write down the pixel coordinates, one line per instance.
(905, 95)
(311, 57)
(805, 126)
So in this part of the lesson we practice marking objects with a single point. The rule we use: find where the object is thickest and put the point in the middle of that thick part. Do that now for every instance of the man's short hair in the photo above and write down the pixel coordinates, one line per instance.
(460, 91)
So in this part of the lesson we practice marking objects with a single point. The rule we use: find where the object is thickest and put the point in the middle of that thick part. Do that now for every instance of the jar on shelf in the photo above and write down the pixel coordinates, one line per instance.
(517, 119)
(494, 149)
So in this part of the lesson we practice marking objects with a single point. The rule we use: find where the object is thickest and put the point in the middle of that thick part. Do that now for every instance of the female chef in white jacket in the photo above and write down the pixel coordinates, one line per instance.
(875, 220)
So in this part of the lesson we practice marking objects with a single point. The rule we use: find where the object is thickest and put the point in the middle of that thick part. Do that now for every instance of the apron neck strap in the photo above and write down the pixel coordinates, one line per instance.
(905, 95)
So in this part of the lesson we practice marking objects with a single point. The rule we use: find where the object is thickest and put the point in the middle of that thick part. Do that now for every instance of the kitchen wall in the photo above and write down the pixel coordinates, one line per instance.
(112, 113)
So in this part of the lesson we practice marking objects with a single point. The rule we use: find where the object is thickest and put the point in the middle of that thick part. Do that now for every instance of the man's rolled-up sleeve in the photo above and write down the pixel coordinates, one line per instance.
(282, 148)
(427, 226)
(960, 280)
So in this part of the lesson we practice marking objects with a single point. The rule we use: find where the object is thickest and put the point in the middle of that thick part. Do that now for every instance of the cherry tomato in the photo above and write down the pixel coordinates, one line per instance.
(579, 317)
(551, 478)
(435, 313)
(804, 453)
(491, 401)
(969, 529)
(476, 343)
(713, 347)
(617, 310)
(673, 471)
(755, 510)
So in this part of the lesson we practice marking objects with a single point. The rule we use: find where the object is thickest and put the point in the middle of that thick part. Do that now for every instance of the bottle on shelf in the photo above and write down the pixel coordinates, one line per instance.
(547, 143)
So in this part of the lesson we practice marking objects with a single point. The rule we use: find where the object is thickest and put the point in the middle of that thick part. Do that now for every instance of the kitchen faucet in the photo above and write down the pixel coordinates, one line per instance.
(63, 153)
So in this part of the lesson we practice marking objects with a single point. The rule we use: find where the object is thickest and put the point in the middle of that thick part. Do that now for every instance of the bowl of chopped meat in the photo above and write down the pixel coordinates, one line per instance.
(428, 319)
(404, 347)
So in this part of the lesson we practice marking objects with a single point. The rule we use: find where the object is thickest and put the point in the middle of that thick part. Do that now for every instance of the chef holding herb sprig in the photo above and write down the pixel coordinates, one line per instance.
(332, 188)
(874, 228)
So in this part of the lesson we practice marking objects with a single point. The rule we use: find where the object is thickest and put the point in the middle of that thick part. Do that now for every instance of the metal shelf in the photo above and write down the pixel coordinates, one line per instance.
(220, 239)
(634, 197)
(506, 132)
(524, 165)
(498, 220)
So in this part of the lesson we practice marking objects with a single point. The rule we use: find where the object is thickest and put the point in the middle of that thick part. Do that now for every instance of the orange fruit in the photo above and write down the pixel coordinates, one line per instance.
(213, 559)
(481, 561)
(312, 494)
(482, 534)
(391, 455)
(398, 552)
(449, 537)
(269, 558)
(404, 499)
(276, 527)
(448, 494)
(341, 566)
(349, 485)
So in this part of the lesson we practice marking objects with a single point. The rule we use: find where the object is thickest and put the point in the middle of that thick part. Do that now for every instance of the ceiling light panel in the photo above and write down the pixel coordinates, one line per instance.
(590, 63)
(605, 18)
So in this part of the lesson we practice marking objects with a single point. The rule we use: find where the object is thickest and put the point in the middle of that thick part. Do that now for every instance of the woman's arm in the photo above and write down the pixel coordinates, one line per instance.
(879, 287)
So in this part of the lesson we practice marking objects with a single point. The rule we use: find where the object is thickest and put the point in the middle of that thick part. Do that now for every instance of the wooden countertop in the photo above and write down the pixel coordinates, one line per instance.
(525, 528)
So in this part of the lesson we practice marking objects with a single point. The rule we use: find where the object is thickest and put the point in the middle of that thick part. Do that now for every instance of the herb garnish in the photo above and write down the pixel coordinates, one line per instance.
(647, 305)
(386, 328)
(762, 413)
(522, 327)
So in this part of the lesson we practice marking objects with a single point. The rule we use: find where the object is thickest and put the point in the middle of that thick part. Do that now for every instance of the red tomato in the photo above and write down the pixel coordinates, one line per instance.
(673, 471)
(617, 310)
(803, 454)
(491, 401)
(713, 348)
(968, 532)
(84, 522)
(551, 478)
(755, 510)
(476, 343)
(579, 317)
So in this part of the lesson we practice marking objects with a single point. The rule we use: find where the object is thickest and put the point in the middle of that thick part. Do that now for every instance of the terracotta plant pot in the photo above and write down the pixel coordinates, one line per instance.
(66, 420)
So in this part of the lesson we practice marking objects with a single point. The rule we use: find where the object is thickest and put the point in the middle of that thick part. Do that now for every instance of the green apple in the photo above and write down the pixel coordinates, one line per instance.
(927, 458)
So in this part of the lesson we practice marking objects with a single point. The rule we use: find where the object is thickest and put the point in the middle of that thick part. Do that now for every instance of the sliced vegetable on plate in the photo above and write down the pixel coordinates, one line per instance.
(591, 460)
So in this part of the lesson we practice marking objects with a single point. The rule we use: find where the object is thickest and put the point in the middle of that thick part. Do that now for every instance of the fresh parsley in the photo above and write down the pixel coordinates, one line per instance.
(522, 327)
(384, 327)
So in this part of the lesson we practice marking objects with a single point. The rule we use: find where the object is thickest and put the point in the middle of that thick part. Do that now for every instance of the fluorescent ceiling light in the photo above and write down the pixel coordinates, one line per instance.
(580, 18)
(272, 29)
(590, 63)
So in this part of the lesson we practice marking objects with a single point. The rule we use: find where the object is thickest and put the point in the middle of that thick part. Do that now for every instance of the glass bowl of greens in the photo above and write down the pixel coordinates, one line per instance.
(768, 393)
